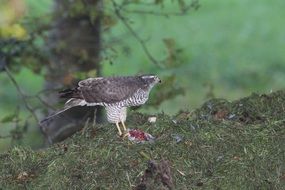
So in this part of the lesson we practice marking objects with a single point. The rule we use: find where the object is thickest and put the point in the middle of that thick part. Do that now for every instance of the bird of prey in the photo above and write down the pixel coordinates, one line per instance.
(113, 93)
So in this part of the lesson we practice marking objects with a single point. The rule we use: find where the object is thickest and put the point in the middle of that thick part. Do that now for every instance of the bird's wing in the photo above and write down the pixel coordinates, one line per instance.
(109, 90)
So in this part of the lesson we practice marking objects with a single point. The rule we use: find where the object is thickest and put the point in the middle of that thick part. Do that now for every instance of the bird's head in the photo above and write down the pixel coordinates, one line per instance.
(151, 80)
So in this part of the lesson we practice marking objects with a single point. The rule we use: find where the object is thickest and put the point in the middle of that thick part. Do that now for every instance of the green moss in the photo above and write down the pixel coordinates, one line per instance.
(225, 145)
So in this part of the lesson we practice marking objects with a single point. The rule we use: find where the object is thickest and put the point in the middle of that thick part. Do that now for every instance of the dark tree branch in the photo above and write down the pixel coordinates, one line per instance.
(184, 11)
(133, 32)
(40, 99)
(5, 137)
(45, 103)
(20, 92)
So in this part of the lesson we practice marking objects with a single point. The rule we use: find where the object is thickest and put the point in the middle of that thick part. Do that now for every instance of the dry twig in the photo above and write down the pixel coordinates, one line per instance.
(133, 32)
(22, 95)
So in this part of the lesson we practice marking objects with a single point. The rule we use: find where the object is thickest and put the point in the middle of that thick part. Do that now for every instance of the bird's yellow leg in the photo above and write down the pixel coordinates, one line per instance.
(118, 127)
(124, 126)
(125, 130)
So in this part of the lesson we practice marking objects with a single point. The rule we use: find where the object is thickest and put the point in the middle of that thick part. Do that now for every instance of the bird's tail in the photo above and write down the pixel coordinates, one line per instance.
(70, 93)
(73, 102)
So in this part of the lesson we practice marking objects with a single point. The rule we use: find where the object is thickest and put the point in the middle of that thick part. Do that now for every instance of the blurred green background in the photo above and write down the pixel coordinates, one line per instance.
(227, 49)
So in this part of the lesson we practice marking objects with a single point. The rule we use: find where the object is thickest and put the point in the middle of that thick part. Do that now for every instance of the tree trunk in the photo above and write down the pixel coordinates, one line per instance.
(75, 45)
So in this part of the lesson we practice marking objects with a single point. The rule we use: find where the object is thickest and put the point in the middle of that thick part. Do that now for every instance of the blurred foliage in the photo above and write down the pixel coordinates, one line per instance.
(10, 12)
(18, 54)
(13, 31)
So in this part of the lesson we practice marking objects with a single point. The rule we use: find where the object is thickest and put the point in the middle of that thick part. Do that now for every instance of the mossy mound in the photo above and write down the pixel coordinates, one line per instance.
(222, 145)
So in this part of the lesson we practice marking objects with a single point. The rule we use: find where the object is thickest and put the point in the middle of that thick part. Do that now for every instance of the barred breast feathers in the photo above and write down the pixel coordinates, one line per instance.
(116, 114)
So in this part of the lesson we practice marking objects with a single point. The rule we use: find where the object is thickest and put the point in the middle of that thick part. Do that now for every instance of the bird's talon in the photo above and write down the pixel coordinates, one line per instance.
(125, 135)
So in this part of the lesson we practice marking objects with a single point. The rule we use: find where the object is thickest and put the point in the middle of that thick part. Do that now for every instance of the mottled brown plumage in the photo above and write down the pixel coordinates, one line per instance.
(114, 93)
(111, 89)
(107, 90)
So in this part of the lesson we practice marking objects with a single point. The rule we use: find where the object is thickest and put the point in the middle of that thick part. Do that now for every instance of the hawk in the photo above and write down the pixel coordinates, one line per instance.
(116, 94)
